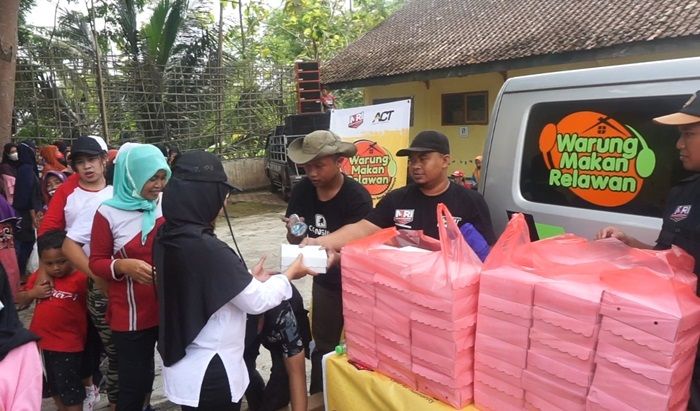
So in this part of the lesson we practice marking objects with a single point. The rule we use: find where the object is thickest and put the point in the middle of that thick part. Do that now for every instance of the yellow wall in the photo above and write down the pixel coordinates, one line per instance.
(427, 100)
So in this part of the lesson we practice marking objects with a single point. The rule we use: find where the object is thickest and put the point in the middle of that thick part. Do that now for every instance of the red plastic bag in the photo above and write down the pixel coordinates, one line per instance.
(514, 237)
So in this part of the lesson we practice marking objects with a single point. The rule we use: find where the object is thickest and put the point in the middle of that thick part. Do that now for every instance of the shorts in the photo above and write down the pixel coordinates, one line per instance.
(62, 376)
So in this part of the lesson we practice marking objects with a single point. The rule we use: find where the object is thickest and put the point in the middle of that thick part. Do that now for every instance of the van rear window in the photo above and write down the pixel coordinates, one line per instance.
(602, 154)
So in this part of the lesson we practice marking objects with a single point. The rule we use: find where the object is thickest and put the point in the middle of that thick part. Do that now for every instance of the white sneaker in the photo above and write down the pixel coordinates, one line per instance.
(92, 397)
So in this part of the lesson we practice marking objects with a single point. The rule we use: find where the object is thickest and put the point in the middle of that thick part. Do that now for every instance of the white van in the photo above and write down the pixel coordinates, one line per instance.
(578, 150)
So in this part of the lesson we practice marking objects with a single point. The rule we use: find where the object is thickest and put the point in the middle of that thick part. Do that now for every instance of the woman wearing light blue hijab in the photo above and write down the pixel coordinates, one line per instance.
(123, 232)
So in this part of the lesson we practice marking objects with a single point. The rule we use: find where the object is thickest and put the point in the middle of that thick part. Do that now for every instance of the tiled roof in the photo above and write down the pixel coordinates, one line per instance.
(427, 35)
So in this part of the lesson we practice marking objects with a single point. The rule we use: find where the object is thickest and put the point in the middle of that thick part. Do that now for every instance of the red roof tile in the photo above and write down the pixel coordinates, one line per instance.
(427, 35)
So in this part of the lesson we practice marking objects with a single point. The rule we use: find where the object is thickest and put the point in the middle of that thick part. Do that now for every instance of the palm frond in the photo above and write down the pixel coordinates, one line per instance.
(171, 29)
(152, 32)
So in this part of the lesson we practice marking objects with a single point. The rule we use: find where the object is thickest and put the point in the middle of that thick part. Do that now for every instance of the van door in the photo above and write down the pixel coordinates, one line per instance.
(586, 157)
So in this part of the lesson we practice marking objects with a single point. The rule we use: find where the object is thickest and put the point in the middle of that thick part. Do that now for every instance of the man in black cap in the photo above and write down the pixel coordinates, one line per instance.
(681, 218)
(414, 206)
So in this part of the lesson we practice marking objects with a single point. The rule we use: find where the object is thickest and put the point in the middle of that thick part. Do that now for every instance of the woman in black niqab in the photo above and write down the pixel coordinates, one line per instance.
(200, 273)
(205, 291)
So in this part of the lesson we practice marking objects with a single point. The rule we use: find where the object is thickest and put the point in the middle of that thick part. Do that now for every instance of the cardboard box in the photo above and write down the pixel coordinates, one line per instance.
(516, 313)
(510, 284)
(622, 385)
(540, 403)
(314, 257)
(539, 363)
(498, 368)
(575, 298)
(436, 339)
(635, 368)
(585, 364)
(571, 353)
(498, 348)
(554, 390)
(458, 367)
(490, 399)
(458, 320)
(566, 328)
(361, 350)
(646, 345)
(666, 315)
(396, 370)
(457, 397)
(503, 330)
(358, 306)
(510, 392)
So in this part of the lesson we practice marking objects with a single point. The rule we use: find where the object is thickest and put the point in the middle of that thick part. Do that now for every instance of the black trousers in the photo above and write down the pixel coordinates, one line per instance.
(135, 350)
(215, 394)
(326, 327)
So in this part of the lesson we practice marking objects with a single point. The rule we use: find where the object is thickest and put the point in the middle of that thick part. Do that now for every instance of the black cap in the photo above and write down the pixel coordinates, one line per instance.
(202, 166)
(688, 114)
(86, 145)
(426, 141)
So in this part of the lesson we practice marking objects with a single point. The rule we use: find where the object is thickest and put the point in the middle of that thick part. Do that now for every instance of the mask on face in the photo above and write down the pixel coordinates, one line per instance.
(13, 156)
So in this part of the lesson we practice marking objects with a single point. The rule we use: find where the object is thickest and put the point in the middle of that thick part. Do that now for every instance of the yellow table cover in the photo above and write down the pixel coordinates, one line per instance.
(350, 389)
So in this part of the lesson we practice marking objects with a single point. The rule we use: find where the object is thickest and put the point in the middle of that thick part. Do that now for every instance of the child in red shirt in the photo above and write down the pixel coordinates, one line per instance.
(60, 320)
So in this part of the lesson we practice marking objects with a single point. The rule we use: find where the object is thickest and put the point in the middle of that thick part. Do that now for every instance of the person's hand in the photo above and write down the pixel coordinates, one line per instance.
(613, 232)
(42, 290)
(332, 257)
(37, 219)
(260, 272)
(43, 277)
(140, 271)
(298, 270)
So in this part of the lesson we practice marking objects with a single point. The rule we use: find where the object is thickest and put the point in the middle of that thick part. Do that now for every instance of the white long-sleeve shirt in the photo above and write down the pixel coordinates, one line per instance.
(224, 334)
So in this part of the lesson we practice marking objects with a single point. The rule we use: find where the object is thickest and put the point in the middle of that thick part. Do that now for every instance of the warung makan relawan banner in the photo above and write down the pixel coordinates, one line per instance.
(378, 132)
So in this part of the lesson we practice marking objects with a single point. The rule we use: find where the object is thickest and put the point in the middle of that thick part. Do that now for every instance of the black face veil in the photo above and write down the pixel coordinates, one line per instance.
(196, 272)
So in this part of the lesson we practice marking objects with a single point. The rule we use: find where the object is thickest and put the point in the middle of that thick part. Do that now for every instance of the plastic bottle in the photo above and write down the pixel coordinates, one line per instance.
(297, 227)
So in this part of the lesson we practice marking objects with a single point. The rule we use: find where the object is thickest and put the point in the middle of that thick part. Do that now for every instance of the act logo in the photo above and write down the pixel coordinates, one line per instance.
(356, 120)
(382, 116)
(596, 157)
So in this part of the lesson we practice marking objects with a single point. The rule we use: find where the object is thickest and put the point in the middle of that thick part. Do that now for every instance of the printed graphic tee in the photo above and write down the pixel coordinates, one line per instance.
(409, 209)
(350, 205)
(61, 320)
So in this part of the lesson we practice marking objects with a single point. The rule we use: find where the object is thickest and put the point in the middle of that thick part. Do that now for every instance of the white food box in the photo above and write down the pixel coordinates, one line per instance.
(314, 257)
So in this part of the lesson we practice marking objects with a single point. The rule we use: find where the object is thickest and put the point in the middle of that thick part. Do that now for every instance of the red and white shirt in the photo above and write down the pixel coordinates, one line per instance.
(61, 320)
(72, 208)
(116, 234)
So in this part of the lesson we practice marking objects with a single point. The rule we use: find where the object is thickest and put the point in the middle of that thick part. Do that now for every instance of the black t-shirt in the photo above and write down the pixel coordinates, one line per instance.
(682, 219)
(408, 208)
(350, 205)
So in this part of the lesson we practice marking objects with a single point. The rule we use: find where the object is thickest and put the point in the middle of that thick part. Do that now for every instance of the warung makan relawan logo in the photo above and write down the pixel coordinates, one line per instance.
(374, 167)
(596, 157)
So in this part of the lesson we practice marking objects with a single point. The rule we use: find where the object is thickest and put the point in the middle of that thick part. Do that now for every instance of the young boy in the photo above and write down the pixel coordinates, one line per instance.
(60, 320)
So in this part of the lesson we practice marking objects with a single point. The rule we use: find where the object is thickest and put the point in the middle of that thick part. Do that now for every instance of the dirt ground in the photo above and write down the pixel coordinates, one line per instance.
(258, 230)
